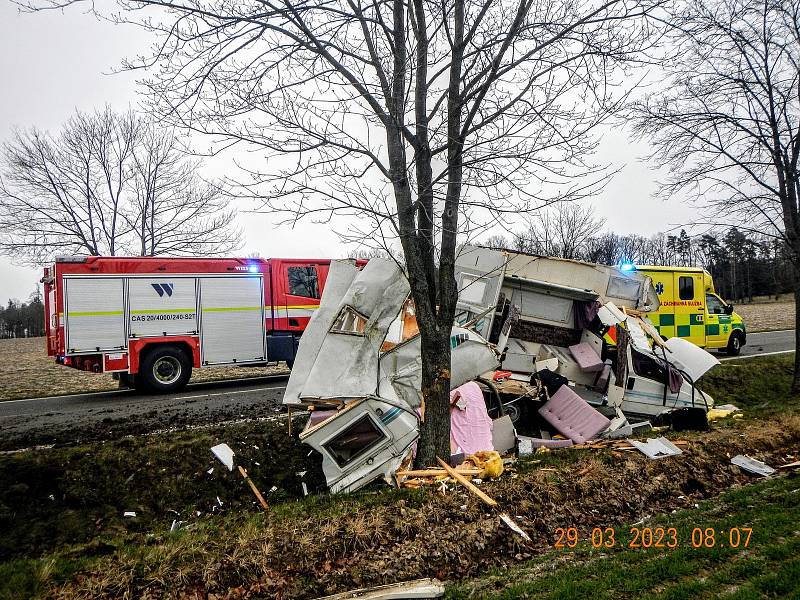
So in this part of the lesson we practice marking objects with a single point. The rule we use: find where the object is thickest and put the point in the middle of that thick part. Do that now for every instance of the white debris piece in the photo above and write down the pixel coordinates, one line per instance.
(225, 455)
(514, 527)
(751, 465)
(129, 513)
(656, 447)
(210, 471)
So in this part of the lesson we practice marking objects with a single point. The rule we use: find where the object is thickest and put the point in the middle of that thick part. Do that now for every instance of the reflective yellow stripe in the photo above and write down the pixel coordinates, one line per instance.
(306, 306)
(100, 313)
(231, 308)
(162, 312)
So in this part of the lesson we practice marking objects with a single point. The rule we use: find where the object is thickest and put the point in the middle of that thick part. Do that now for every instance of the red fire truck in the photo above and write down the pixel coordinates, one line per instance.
(151, 320)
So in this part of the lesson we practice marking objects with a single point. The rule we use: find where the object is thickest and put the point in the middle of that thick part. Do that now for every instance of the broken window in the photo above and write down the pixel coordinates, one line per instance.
(403, 328)
(358, 437)
(686, 288)
(349, 321)
(303, 281)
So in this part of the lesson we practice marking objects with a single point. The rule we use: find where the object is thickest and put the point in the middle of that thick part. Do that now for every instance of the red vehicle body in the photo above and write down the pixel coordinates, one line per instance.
(151, 320)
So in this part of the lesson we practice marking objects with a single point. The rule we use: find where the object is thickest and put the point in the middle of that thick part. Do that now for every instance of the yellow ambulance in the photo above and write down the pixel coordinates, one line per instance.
(691, 309)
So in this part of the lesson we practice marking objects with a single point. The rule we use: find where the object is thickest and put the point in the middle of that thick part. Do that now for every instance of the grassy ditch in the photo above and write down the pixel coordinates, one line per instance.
(761, 520)
(64, 534)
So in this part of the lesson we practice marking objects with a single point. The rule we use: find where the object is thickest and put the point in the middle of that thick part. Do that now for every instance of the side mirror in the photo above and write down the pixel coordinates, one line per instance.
(729, 309)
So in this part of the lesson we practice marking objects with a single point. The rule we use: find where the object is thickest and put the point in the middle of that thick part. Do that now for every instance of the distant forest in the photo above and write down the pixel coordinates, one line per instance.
(743, 265)
(23, 319)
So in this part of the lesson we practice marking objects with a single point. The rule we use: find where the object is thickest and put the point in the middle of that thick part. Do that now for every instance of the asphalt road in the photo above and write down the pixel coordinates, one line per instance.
(769, 342)
(105, 415)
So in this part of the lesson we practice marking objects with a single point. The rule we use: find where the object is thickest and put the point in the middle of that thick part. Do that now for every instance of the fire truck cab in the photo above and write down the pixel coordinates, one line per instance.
(151, 320)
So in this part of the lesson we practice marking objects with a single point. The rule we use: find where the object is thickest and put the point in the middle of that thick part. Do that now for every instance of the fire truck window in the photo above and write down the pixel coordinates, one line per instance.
(303, 282)
(686, 288)
(357, 438)
(349, 321)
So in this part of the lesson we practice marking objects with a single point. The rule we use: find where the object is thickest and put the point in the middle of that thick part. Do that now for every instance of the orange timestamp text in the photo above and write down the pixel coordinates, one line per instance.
(654, 537)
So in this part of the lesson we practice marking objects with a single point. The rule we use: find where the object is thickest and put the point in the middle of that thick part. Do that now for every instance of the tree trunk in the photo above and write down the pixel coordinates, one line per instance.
(434, 439)
(796, 374)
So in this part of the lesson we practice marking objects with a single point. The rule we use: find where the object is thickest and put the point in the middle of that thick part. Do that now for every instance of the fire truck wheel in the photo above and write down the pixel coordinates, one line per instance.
(165, 369)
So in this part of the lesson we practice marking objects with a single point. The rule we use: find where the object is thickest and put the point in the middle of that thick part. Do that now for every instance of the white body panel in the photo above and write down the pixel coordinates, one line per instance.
(232, 322)
(162, 306)
(95, 314)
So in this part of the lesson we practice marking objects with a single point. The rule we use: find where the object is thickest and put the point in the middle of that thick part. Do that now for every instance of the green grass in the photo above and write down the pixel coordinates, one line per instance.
(48, 541)
(769, 567)
(759, 386)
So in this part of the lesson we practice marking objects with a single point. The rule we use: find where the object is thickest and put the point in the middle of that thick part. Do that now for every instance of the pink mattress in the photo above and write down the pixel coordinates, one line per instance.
(586, 357)
(572, 416)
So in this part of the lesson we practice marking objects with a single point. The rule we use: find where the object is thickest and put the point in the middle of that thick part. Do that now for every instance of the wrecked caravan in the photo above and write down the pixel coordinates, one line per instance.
(358, 368)
(564, 322)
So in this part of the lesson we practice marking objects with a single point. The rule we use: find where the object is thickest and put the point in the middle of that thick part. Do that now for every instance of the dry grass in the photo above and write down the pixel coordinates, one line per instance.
(328, 545)
(767, 316)
(27, 372)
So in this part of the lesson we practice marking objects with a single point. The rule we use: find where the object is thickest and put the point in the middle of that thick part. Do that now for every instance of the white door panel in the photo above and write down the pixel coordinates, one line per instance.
(95, 313)
(232, 321)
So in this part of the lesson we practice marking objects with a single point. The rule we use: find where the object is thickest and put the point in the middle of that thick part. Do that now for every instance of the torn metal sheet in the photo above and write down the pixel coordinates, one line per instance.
(751, 465)
(420, 588)
(340, 277)
(689, 358)
(346, 364)
(400, 369)
(656, 448)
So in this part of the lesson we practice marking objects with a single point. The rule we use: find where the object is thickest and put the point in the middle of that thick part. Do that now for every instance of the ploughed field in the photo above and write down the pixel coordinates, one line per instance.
(27, 372)
(767, 316)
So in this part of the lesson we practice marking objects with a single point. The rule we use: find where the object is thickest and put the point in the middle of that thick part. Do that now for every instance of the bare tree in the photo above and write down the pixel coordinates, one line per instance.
(727, 122)
(424, 120)
(565, 231)
(107, 184)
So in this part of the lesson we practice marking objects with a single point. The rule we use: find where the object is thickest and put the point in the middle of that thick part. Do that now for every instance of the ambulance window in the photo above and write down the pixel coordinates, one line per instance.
(357, 438)
(686, 288)
(303, 282)
(715, 306)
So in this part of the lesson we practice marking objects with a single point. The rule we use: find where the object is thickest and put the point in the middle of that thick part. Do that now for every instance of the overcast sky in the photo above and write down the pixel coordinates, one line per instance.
(53, 63)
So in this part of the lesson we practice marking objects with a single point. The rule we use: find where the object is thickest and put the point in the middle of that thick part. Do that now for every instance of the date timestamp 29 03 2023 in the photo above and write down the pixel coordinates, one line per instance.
(655, 537)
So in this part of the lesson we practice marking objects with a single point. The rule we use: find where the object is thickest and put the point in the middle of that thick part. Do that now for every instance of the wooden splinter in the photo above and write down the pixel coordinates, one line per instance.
(253, 487)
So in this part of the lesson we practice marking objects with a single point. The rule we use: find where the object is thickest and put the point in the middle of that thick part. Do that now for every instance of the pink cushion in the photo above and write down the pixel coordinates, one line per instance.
(572, 416)
(586, 357)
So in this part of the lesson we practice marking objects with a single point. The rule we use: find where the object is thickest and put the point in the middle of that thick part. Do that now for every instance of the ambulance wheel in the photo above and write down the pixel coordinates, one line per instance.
(165, 369)
(734, 345)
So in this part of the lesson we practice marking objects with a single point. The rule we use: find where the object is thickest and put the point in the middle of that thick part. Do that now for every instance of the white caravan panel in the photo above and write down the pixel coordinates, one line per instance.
(95, 314)
(162, 306)
(232, 319)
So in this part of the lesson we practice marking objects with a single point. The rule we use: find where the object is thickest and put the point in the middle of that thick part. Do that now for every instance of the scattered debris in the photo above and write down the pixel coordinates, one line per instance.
(176, 525)
(751, 465)
(514, 527)
(253, 487)
(791, 465)
(656, 447)
(466, 483)
(129, 513)
(419, 588)
(225, 455)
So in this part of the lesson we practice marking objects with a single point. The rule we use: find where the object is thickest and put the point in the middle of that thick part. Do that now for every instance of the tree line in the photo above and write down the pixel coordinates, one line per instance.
(744, 264)
(23, 319)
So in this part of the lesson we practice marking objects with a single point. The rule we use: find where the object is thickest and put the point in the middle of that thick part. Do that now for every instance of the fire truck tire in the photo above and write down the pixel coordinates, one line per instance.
(164, 369)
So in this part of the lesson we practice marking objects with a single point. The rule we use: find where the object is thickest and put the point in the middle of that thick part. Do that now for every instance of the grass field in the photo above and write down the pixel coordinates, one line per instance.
(65, 535)
(26, 372)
